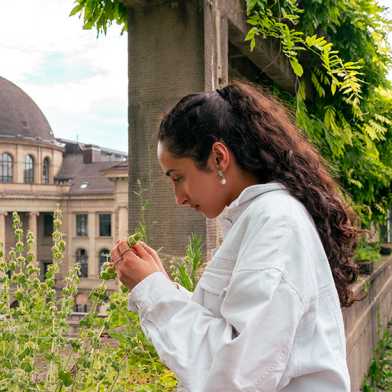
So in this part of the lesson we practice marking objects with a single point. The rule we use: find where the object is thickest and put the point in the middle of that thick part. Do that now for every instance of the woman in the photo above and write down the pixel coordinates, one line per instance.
(265, 315)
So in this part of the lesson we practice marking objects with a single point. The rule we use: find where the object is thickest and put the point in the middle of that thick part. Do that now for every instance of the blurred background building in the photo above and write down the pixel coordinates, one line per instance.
(39, 171)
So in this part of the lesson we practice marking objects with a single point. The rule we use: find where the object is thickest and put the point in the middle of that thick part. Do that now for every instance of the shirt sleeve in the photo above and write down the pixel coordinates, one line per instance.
(247, 348)
(142, 288)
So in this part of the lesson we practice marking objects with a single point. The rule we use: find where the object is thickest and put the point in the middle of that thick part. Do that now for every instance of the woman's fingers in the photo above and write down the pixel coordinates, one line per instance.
(150, 251)
(155, 257)
(118, 251)
(142, 252)
(122, 247)
(114, 255)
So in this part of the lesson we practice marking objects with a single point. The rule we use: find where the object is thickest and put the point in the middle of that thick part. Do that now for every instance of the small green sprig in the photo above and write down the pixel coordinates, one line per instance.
(133, 239)
(108, 271)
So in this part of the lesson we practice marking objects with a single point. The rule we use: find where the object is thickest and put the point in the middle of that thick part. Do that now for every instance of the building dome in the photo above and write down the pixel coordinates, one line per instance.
(20, 116)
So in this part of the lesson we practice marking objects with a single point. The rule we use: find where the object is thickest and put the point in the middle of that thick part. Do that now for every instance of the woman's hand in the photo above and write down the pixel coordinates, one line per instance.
(136, 263)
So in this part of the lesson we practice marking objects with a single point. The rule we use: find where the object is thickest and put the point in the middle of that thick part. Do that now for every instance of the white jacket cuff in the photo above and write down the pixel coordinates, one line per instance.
(151, 290)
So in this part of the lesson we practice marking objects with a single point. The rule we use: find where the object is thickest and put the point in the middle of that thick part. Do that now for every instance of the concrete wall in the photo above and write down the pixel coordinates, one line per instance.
(166, 61)
(366, 320)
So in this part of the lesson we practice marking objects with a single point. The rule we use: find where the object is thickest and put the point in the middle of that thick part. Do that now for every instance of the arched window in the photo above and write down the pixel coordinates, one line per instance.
(45, 171)
(6, 167)
(29, 170)
(82, 260)
(104, 256)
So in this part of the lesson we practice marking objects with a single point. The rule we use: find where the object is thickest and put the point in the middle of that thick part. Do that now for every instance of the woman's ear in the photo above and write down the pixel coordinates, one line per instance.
(220, 155)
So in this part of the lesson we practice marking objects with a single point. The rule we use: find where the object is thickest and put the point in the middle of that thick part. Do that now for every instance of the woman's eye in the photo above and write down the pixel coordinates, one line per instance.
(177, 179)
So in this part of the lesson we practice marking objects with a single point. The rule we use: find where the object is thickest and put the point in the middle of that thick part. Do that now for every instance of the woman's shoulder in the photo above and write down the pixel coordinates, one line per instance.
(278, 206)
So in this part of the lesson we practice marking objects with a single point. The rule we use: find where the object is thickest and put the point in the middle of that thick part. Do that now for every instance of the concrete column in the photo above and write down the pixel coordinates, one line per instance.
(3, 214)
(33, 227)
(122, 223)
(173, 51)
(92, 256)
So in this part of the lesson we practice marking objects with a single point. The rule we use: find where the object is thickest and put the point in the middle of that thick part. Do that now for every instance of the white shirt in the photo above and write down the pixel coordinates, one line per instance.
(265, 315)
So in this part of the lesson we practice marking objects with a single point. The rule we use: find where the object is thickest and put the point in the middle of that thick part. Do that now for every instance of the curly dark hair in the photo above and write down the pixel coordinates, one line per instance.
(261, 134)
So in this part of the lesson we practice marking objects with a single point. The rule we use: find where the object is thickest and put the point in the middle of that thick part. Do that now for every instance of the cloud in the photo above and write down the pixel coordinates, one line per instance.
(79, 82)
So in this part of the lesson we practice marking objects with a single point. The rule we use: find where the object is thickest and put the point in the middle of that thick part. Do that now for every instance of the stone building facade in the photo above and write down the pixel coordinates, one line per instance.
(39, 172)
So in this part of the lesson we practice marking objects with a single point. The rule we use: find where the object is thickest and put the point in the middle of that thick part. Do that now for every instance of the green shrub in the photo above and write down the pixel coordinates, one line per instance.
(37, 351)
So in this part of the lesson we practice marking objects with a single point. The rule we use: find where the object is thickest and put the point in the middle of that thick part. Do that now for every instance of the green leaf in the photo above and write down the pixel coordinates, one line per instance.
(76, 9)
(66, 378)
(297, 67)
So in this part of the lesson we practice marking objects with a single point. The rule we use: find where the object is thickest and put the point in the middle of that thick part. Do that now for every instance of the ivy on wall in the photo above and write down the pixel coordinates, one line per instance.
(339, 53)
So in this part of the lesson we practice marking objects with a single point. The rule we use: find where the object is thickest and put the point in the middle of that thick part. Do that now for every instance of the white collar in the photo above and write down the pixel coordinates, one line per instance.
(231, 213)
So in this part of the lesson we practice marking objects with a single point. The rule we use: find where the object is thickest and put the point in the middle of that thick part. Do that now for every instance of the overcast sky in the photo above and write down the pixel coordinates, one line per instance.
(78, 81)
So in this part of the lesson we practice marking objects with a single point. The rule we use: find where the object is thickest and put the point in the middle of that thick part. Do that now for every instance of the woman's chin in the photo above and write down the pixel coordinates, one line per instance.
(209, 214)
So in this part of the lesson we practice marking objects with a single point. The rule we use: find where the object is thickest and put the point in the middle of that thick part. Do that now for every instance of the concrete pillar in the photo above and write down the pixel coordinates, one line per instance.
(33, 227)
(122, 223)
(92, 255)
(3, 214)
(174, 49)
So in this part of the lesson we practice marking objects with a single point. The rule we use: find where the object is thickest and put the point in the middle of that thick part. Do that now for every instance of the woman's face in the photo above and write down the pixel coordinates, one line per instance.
(198, 189)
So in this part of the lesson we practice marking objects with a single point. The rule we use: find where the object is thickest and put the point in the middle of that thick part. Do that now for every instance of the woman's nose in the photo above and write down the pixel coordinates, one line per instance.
(181, 199)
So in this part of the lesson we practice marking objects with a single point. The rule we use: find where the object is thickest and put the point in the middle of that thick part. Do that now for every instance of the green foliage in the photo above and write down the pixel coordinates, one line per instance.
(100, 14)
(339, 53)
(108, 271)
(38, 352)
(187, 272)
(379, 377)
(367, 252)
(109, 352)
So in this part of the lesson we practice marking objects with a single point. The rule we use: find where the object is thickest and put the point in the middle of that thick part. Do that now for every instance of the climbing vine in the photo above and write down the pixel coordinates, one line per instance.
(339, 54)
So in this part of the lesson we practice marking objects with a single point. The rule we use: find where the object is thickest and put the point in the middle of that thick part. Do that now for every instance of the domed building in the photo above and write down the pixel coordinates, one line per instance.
(39, 172)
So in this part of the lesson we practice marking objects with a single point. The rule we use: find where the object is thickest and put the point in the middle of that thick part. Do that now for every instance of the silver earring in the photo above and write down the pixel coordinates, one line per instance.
(222, 177)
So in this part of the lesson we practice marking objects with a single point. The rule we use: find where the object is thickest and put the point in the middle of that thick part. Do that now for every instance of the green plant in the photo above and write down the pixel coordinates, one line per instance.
(101, 14)
(187, 272)
(108, 271)
(37, 350)
(379, 377)
(367, 251)
(340, 56)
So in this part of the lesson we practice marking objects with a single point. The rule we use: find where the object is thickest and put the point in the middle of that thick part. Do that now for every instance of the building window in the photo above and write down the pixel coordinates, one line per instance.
(104, 256)
(45, 171)
(81, 225)
(44, 268)
(6, 168)
(48, 224)
(105, 225)
(82, 260)
(81, 308)
(28, 170)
